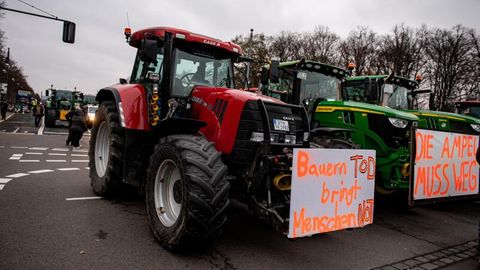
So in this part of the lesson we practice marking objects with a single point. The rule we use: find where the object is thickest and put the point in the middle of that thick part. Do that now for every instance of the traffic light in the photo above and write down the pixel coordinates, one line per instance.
(68, 32)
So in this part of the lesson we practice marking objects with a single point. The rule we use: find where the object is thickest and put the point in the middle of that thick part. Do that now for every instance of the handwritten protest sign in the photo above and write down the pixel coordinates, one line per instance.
(445, 165)
(332, 189)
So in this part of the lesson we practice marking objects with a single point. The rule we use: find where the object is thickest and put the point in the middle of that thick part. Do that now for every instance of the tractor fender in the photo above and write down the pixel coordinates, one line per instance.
(328, 131)
(131, 104)
(177, 125)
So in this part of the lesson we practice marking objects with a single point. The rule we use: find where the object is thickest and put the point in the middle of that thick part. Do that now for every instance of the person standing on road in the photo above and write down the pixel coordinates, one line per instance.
(78, 126)
(38, 113)
(3, 109)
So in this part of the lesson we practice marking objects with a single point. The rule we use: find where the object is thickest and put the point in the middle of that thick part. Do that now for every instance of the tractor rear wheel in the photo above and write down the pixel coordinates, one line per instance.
(106, 151)
(50, 117)
(186, 192)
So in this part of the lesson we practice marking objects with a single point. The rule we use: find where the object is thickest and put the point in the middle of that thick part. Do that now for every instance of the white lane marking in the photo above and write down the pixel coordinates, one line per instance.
(60, 149)
(38, 148)
(55, 133)
(87, 168)
(68, 169)
(56, 160)
(42, 127)
(29, 160)
(18, 147)
(2, 186)
(17, 175)
(33, 153)
(41, 171)
(83, 198)
(16, 157)
(4, 180)
(15, 131)
(79, 160)
(79, 150)
(57, 154)
(79, 155)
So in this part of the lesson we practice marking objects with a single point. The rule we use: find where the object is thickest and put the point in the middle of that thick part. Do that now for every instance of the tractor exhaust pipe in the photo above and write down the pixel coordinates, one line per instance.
(283, 181)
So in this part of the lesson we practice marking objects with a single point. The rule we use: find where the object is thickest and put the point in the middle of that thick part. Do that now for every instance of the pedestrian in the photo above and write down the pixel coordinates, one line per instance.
(38, 113)
(3, 108)
(78, 127)
(69, 116)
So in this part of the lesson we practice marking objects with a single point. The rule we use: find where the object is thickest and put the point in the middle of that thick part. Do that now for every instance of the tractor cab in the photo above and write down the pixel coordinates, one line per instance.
(468, 107)
(170, 62)
(305, 82)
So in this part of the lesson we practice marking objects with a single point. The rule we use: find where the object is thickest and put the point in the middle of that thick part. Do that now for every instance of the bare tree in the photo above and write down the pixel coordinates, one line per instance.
(359, 48)
(286, 46)
(401, 52)
(321, 45)
(256, 48)
(448, 67)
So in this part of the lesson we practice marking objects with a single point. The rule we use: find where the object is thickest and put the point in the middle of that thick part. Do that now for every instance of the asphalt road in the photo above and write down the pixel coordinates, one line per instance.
(50, 219)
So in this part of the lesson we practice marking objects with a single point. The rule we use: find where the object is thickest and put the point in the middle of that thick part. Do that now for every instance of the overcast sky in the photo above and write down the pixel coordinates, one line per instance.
(100, 54)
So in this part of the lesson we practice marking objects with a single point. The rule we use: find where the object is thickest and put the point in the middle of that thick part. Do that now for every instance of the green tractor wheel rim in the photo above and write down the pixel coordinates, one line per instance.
(168, 193)
(102, 149)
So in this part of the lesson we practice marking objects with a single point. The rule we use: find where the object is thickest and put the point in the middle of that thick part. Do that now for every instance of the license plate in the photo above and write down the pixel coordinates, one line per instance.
(280, 125)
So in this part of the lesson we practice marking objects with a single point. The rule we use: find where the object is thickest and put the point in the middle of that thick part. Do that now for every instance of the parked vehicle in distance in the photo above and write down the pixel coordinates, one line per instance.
(90, 115)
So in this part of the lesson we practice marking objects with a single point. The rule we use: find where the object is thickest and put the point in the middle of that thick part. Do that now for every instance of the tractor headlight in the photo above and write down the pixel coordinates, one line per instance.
(291, 139)
(476, 127)
(256, 137)
(274, 138)
(398, 123)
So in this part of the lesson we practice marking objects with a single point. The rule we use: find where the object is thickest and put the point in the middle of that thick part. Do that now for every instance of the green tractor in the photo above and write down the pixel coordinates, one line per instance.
(402, 94)
(59, 103)
(339, 123)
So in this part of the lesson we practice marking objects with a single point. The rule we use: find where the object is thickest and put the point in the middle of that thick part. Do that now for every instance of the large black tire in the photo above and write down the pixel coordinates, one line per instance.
(106, 142)
(50, 117)
(194, 170)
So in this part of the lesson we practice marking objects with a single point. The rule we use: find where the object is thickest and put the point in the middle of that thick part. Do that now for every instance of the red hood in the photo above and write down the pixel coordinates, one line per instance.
(240, 95)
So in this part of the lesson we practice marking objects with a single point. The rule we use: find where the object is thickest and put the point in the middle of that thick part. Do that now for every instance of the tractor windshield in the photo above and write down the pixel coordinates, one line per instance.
(469, 110)
(316, 85)
(64, 95)
(361, 91)
(193, 68)
(397, 97)
(313, 85)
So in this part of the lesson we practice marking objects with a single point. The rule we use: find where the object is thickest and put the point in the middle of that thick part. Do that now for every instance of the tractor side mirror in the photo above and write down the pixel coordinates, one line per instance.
(264, 74)
(274, 71)
(123, 81)
(243, 59)
(148, 50)
(47, 93)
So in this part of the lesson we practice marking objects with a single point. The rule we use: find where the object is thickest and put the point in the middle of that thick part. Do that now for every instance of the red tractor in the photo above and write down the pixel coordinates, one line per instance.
(180, 132)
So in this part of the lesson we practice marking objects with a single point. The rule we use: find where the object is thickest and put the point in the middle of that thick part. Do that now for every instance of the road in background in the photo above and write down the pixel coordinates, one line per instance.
(51, 219)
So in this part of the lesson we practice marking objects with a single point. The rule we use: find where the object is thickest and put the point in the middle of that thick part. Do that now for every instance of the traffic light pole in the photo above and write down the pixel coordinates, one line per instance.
(68, 26)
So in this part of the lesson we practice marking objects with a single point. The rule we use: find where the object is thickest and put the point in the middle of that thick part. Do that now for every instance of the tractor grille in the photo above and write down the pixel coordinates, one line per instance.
(432, 123)
(462, 127)
(392, 136)
(253, 119)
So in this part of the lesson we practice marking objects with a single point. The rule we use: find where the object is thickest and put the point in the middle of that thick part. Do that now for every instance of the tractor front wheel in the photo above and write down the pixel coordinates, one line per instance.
(50, 117)
(186, 192)
(106, 151)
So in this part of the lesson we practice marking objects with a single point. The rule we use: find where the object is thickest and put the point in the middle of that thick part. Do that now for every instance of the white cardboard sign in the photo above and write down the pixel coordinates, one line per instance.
(445, 165)
(332, 189)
